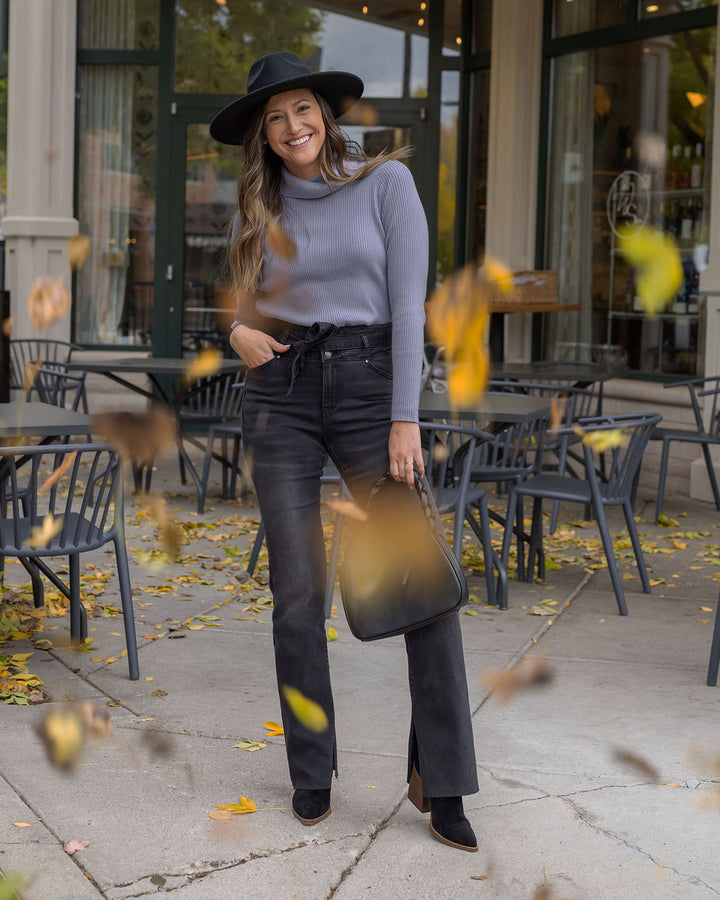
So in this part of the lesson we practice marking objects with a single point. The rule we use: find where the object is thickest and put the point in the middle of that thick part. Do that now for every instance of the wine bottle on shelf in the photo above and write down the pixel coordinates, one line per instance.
(696, 170)
(673, 169)
(684, 169)
(686, 221)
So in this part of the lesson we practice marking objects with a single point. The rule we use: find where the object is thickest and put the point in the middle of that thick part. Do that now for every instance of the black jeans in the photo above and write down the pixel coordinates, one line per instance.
(331, 395)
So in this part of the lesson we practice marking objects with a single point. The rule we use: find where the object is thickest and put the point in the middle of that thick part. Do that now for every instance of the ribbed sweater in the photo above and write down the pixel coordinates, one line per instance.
(362, 259)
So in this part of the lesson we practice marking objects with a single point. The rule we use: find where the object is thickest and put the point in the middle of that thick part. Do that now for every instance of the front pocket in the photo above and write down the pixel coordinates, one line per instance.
(264, 365)
(381, 363)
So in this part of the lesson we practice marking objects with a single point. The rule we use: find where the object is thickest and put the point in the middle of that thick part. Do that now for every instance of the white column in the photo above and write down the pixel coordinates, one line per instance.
(41, 151)
(515, 77)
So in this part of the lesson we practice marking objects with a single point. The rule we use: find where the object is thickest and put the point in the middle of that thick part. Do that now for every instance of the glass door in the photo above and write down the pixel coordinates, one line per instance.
(203, 201)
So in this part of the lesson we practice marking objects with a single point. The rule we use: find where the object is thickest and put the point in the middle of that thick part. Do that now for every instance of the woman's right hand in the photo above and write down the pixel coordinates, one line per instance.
(255, 347)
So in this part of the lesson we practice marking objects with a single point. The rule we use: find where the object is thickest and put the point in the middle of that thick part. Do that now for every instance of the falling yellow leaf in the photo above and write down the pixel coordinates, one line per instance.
(62, 731)
(306, 711)
(498, 272)
(637, 762)
(331, 633)
(279, 242)
(273, 729)
(348, 508)
(48, 301)
(57, 474)
(77, 250)
(558, 408)
(206, 363)
(531, 670)
(659, 268)
(7, 326)
(41, 535)
(604, 439)
(138, 436)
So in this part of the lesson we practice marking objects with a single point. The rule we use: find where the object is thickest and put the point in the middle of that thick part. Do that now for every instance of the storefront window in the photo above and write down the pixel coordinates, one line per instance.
(3, 106)
(478, 163)
(651, 8)
(447, 177)
(119, 25)
(573, 16)
(116, 203)
(631, 142)
(386, 44)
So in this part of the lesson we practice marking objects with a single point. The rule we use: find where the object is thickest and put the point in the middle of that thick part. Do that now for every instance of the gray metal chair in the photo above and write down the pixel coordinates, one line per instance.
(55, 385)
(53, 382)
(714, 664)
(704, 436)
(86, 505)
(624, 464)
(450, 474)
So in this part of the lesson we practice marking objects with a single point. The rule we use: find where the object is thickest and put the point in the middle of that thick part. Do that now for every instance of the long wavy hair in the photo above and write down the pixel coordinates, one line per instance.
(259, 199)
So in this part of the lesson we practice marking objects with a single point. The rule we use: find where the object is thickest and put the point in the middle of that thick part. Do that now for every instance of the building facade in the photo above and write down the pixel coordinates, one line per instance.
(539, 127)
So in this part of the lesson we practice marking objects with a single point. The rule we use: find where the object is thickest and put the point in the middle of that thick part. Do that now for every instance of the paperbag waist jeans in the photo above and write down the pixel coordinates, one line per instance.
(330, 394)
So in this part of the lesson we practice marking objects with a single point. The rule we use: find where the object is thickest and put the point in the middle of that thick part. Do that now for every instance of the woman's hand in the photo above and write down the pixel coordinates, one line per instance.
(405, 451)
(254, 347)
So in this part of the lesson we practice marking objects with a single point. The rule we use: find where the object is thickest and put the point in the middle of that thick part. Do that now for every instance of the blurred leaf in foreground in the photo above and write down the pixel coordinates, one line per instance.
(306, 711)
(659, 269)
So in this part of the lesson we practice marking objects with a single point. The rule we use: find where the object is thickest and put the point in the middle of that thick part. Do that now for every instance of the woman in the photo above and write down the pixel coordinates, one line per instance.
(333, 344)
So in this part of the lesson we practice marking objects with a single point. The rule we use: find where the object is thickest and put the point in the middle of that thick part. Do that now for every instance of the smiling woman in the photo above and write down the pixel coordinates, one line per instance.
(295, 131)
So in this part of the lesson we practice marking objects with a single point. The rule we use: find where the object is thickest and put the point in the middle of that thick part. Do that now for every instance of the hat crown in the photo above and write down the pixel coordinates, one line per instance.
(274, 69)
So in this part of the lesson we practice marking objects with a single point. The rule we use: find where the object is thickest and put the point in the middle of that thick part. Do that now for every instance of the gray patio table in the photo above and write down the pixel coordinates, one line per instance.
(41, 420)
(155, 367)
(501, 409)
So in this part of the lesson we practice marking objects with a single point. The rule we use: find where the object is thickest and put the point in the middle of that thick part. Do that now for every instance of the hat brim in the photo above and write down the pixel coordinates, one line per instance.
(341, 90)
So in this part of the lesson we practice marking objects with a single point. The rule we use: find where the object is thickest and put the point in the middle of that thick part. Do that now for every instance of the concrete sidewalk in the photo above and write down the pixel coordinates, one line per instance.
(602, 783)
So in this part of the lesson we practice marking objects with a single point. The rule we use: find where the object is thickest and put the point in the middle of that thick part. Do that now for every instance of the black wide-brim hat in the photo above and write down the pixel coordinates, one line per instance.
(275, 74)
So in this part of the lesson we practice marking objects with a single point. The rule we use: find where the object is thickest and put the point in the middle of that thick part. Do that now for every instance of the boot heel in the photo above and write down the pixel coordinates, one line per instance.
(415, 792)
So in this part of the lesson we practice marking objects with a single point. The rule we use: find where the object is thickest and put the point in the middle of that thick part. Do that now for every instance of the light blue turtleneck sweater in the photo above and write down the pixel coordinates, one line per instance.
(362, 259)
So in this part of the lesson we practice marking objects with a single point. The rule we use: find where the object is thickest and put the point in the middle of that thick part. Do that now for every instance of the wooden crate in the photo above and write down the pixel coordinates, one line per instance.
(532, 291)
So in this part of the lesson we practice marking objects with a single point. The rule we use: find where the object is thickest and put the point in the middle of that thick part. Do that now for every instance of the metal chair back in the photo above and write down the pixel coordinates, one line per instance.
(26, 352)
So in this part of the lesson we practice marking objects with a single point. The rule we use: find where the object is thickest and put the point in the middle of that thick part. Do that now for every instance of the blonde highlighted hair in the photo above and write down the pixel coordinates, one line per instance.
(259, 199)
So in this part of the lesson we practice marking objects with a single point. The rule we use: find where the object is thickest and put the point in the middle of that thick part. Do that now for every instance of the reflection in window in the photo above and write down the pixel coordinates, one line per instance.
(477, 164)
(119, 25)
(651, 8)
(116, 203)
(447, 176)
(386, 45)
(582, 15)
(630, 143)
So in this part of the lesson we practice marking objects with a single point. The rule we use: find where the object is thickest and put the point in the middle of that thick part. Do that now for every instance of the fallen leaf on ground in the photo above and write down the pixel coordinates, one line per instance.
(74, 845)
(244, 806)
(331, 634)
(220, 814)
(273, 729)
(22, 824)
(540, 611)
(250, 746)
(706, 608)
(306, 711)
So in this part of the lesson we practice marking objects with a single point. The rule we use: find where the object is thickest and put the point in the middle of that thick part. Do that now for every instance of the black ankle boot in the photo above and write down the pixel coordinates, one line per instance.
(449, 825)
(311, 807)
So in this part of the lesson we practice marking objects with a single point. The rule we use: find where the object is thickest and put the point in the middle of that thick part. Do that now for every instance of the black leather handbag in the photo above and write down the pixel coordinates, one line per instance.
(399, 572)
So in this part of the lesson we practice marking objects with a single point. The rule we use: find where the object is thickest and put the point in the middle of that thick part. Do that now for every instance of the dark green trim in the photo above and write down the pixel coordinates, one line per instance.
(124, 349)
(450, 63)
(119, 57)
(436, 23)
(463, 144)
(167, 325)
(704, 17)
(477, 60)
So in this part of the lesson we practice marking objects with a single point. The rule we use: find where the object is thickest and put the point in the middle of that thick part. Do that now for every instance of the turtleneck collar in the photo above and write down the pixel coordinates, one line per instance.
(310, 188)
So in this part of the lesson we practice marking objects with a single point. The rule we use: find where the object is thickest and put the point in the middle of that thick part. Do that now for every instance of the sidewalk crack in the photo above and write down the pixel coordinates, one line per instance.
(583, 816)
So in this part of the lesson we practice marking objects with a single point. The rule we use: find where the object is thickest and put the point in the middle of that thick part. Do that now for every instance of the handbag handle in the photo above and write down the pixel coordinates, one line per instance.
(424, 495)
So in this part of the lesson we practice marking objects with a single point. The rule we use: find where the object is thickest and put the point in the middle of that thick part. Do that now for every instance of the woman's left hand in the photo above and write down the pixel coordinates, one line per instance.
(405, 451)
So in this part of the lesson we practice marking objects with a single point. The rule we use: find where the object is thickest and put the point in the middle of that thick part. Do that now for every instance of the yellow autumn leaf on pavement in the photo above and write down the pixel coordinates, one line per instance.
(659, 269)
(206, 363)
(244, 806)
(306, 711)
(220, 814)
(331, 634)
(706, 608)
(273, 729)
(41, 535)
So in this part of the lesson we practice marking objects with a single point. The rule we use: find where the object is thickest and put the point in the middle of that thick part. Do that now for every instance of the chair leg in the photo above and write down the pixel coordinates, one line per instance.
(711, 475)
(205, 477)
(610, 556)
(714, 664)
(520, 528)
(483, 533)
(499, 592)
(256, 547)
(127, 606)
(36, 581)
(181, 463)
(637, 550)
(332, 567)
(536, 540)
(661, 479)
(508, 533)
(78, 616)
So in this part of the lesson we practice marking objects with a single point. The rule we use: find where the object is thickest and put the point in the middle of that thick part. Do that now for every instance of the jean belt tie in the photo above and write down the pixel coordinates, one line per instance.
(314, 335)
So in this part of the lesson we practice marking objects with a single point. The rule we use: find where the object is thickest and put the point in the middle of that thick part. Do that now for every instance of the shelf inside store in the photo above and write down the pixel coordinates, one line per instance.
(639, 314)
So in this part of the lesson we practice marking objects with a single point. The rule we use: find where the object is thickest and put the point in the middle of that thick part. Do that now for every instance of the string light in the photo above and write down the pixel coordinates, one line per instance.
(458, 40)
(652, 8)
(421, 22)
(365, 10)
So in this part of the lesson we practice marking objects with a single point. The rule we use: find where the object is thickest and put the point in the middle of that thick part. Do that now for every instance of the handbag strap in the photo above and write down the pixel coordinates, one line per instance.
(424, 494)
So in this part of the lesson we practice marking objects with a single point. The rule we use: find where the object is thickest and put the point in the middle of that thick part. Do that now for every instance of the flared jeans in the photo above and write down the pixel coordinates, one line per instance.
(330, 395)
